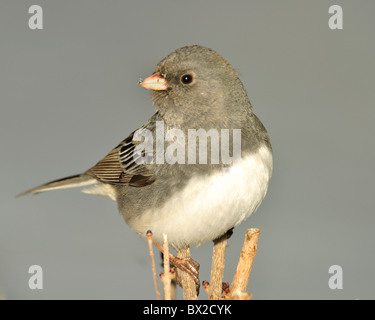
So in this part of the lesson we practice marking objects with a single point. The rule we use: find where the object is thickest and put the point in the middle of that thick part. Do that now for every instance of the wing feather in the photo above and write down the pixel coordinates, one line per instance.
(121, 167)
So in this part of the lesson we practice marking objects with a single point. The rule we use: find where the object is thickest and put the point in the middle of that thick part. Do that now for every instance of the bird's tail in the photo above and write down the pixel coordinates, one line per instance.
(78, 180)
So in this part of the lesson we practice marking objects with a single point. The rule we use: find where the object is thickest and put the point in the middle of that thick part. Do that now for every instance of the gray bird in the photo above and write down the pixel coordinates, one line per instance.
(192, 199)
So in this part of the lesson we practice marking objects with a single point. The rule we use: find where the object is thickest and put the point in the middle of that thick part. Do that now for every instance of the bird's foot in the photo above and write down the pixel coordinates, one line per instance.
(190, 266)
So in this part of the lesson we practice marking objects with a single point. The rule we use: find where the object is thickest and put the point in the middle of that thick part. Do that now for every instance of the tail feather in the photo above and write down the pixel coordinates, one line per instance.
(78, 180)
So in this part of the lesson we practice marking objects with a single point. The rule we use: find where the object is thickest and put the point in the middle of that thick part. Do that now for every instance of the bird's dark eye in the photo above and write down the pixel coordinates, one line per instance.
(187, 78)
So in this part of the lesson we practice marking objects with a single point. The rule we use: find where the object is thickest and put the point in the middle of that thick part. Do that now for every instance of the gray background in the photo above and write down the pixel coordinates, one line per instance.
(69, 94)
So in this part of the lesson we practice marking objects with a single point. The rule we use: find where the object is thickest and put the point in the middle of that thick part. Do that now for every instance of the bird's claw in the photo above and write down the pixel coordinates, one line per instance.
(190, 266)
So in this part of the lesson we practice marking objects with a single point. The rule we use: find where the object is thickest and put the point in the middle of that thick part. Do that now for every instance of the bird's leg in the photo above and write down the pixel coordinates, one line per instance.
(190, 266)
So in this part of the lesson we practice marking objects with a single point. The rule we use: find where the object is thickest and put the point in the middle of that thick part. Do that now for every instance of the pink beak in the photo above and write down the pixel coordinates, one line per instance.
(154, 82)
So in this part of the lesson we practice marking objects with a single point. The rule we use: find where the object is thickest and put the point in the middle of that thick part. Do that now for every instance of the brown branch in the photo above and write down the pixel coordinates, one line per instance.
(187, 283)
(149, 240)
(249, 249)
(217, 269)
(167, 278)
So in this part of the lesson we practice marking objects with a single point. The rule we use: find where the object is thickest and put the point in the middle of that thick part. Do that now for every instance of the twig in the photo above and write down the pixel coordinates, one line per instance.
(217, 269)
(149, 240)
(167, 278)
(187, 283)
(245, 262)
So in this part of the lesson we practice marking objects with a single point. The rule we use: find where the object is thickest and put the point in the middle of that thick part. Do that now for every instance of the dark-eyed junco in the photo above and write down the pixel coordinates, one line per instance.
(165, 177)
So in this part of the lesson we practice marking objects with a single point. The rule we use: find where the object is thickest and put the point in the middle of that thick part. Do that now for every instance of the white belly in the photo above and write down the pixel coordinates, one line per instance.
(206, 209)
